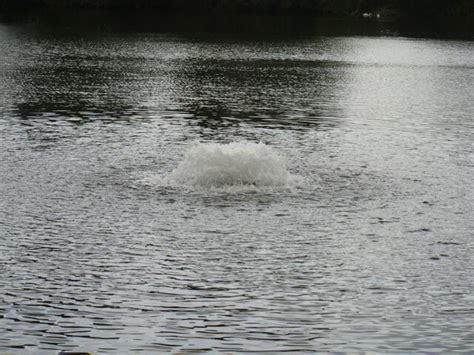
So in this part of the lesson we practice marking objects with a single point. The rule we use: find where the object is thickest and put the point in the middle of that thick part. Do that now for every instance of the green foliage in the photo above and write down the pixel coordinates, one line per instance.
(438, 7)
(428, 8)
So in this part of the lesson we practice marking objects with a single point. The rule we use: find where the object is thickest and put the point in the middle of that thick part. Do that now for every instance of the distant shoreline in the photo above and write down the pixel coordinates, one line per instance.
(426, 9)
(448, 19)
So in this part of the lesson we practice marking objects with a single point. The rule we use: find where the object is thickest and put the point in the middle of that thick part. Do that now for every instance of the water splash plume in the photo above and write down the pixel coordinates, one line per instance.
(214, 165)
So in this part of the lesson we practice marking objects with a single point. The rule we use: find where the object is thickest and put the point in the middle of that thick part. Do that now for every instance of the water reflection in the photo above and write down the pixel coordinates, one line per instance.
(68, 86)
(213, 81)
(224, 93)
(111, 79)
(379, 92)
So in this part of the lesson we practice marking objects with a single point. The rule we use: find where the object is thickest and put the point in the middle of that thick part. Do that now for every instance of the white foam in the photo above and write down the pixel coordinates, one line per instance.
(241, 164)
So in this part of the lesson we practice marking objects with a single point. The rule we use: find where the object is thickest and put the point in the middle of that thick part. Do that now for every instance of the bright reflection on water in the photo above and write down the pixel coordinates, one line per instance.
(373, 251)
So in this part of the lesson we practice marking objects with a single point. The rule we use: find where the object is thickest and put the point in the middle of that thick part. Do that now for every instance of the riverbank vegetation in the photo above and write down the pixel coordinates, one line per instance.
(430, 8)
(429, 12)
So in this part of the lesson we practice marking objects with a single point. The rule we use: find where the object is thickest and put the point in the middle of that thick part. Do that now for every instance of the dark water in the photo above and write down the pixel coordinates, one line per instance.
(373, 251)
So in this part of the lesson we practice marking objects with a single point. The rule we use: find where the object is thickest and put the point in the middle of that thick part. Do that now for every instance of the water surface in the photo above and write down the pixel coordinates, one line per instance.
(372, 251)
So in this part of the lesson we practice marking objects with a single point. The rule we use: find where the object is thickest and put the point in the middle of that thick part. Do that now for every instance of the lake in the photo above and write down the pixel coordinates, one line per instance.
(236, 185)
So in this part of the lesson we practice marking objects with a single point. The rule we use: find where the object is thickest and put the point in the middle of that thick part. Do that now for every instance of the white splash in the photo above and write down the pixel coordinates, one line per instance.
(243, 164)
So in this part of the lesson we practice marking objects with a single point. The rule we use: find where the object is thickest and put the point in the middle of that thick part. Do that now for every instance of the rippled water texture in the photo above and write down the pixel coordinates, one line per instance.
(371, 250)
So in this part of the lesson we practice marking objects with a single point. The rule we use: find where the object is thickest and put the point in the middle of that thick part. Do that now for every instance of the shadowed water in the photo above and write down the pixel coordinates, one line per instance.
(371, 250)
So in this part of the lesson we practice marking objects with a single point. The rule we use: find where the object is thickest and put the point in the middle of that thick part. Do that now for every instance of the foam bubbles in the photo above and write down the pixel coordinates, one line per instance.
(242, 164)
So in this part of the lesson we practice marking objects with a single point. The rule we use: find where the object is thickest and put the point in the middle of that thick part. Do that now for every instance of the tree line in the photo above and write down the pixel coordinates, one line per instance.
(314, 7)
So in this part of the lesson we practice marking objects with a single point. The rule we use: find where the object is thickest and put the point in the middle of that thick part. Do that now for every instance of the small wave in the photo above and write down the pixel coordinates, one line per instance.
(234, 165)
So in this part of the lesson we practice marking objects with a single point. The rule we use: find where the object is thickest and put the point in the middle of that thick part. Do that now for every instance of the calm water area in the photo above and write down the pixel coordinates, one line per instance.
(107, 247)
